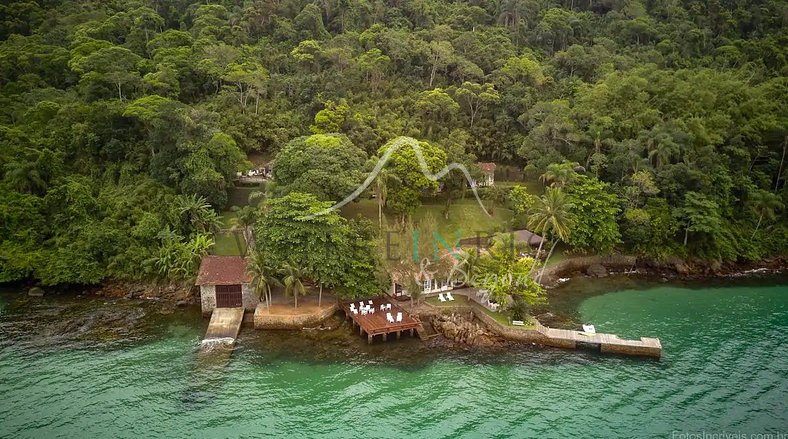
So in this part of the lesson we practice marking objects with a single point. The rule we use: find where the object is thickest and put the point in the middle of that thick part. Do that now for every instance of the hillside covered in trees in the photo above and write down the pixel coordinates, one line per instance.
(123, 123)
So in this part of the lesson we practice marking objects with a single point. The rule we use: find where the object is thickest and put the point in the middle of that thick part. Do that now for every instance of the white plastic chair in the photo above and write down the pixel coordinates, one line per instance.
(441, 298)
(370, 302)
(399, 317)
(389, 317)
(449, 296)
(388, 307)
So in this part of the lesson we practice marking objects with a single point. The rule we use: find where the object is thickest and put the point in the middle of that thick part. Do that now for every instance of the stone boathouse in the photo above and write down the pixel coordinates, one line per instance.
(224, 283)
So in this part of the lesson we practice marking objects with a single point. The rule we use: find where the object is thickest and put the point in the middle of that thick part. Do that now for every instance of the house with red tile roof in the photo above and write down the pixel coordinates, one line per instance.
(488, 174)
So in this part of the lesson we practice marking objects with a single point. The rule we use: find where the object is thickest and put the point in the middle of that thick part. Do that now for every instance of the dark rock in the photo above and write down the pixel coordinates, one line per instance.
(36, 292)
(547, 315)
(597, 270)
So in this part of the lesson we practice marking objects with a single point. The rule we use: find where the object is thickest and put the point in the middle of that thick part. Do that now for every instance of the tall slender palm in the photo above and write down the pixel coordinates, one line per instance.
(469, 262)
(662, 149)
(764, 204)
(263, 276)
(245, 217)
(551, 214)
(293, 280)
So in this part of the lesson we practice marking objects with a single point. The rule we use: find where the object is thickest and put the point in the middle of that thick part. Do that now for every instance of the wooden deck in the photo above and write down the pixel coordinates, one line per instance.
(608, 343)
(223, 328)
(376, 324)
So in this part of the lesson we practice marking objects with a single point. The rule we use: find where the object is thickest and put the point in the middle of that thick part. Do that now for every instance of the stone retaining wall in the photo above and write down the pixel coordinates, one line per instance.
(509, 333)
(299, 321)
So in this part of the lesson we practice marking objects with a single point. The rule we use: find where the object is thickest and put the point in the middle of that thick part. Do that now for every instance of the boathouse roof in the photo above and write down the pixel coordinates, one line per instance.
(222, 270)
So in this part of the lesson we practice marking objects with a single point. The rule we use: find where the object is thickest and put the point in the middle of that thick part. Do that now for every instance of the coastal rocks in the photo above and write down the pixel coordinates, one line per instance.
(547, 319)
(597, 270)
(36, 292)
(461, 330)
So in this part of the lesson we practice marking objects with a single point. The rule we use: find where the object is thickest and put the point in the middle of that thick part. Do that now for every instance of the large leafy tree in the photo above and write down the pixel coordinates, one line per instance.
(595, 210)
(404, 195)
(327, 165)
(298, 230)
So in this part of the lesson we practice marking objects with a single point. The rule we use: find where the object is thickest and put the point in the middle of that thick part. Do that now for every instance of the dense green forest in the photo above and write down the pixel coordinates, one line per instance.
(123, 123)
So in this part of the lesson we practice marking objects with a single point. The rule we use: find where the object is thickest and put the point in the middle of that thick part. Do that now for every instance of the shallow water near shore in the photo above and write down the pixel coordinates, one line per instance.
(71, 368)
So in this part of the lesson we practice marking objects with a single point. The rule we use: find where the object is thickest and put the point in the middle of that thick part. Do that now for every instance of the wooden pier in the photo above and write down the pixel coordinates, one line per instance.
(607, 343)
(223, 328)
(376, 323)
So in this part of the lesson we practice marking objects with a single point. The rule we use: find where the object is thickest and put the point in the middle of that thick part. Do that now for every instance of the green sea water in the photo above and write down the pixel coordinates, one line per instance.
(725, 368)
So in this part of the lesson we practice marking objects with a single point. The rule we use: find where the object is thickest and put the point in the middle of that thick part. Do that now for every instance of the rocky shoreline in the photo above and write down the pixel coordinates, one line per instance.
(460, 329)
(672, 268)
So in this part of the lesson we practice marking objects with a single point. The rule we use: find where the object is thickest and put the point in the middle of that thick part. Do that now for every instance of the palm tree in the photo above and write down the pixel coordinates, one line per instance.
(199, 213)
(261, 194)
(559, 174)
(551, 214)
(495, 195)
(469, 261)
(764, 204)
(293, 280)
(25, 177)
(263, 276)
(661, 149)
(318, 275)
(244, 219)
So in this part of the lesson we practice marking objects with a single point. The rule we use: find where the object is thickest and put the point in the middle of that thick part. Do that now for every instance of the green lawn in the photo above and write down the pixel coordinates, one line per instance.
(465, 216)
(239, 195)
(226, 243)
(500, 317)
(458, 300)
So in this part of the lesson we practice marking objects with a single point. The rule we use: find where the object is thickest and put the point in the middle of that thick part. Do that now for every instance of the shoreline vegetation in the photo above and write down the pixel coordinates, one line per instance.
(612, 128)
(674, 269)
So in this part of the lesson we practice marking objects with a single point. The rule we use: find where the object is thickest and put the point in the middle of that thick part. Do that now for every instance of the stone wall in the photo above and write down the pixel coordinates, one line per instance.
(263, 320)
(509, 333)
(249, 297)
(207, 299)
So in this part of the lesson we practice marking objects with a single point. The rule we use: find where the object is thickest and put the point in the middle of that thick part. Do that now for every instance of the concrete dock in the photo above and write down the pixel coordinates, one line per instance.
(607, 343)
(223, 328)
